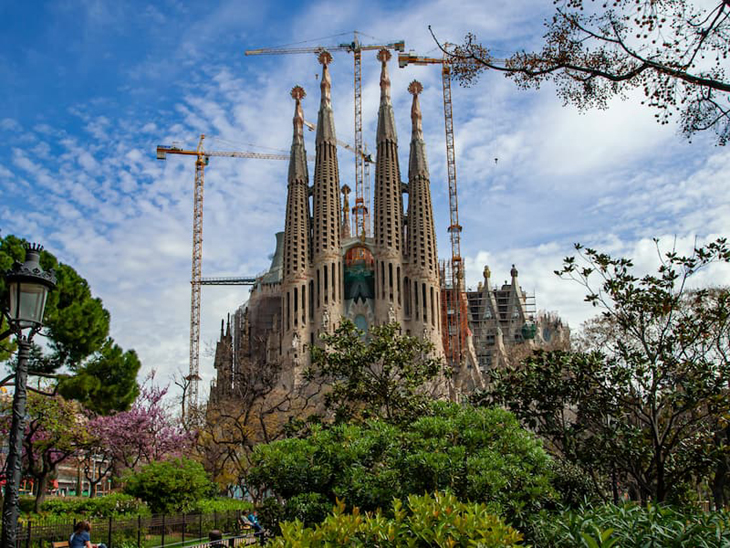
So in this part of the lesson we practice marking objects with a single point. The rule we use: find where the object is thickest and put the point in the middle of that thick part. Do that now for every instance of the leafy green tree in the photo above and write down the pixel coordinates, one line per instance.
(652, 396)
(171, 485)
(107, 382)
(674, 51)
(76, 323)
(481, 455)
(386, 374)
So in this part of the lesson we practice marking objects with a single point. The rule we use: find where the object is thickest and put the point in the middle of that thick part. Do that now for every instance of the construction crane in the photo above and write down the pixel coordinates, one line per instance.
(456, 317)
(196, 281)
(360, 211)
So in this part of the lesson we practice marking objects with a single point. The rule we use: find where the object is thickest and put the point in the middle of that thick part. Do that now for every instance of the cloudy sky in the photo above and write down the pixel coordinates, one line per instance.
(91, 87)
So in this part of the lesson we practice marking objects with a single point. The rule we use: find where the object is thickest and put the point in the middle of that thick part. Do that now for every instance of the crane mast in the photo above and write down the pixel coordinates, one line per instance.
(196, 280)
(360, 211)
(456, 317)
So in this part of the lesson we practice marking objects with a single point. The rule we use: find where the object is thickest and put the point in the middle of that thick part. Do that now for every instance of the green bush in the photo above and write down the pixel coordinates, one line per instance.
(631, 526)
(481, 455)
(114, 504)
(270, 515)
(429, 520)
(170, 486)
(309, 508)
(219, 505)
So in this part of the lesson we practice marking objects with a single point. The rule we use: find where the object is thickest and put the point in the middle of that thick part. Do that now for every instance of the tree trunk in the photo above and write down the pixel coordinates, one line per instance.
(40, 496)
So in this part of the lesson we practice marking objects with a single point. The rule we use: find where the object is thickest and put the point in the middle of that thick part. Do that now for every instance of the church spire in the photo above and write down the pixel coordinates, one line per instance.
(325, 122)
(388, 194)
(296, 226)
(386, 118)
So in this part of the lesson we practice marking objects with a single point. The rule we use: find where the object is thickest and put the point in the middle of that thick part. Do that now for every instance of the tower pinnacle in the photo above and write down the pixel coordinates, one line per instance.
(325, 58)
(298, 94)
(415, 88)
(325, 121)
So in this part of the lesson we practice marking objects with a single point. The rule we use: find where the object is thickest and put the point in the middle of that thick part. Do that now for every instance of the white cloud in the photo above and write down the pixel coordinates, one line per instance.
(611, 179)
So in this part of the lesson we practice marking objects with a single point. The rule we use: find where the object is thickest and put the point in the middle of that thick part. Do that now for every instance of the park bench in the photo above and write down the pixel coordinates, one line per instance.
(62, 544)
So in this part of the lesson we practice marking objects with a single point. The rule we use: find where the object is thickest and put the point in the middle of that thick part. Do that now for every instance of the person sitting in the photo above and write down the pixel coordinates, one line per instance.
(258, 531)
(81, 537)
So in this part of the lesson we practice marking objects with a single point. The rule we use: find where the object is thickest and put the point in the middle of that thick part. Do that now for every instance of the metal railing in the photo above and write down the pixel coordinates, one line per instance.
(161, 530)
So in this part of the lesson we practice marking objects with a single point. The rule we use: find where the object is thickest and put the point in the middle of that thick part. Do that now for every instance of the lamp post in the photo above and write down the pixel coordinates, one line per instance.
(28, 286)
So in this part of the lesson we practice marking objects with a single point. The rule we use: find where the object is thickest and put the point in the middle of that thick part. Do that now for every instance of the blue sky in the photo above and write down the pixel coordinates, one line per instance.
(89, 88)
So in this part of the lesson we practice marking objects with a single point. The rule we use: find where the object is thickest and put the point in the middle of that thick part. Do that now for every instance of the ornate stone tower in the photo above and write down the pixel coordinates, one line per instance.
(223, 363)
(421, 284)
(388, 231)
(326, 260)
(296, 277)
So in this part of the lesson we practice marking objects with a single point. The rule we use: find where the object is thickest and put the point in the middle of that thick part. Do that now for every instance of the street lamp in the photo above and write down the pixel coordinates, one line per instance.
(28, 286)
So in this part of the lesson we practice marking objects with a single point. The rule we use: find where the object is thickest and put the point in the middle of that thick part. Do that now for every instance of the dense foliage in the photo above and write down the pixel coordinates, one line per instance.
(481, 455)
(102, 375)
(170, 486)
(646, 399)
(385, 374)
(675, 52)
(114, 504)
(632, 526)
(428, 520)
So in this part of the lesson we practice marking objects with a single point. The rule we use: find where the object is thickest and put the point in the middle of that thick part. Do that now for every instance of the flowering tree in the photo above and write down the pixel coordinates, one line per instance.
(128, 439)
(54, 432)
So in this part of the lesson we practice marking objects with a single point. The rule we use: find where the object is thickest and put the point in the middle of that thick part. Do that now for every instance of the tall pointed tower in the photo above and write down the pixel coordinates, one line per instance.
(422, 300)
(296, 277)
(388, 231)
(326, 259)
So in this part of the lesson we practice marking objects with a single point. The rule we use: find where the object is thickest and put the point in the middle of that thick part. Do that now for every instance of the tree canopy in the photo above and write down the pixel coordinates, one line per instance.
(478, 454)
(675, 51)
(648, 395)
(386, 374)
(90, 366)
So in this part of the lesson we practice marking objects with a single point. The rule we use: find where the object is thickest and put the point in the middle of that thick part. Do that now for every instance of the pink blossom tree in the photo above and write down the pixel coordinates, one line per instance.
(128, 439)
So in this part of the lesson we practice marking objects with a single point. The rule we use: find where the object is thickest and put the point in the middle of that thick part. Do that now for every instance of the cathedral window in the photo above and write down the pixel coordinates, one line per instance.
(433, 311)
(423, 301)
(390, 280)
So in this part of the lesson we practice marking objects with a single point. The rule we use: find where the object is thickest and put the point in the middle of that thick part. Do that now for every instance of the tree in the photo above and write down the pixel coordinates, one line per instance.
(171, 485)
(386, 374)
(652, 396)
(55, 430)
(76, 324)
(107, 382)
(675, 51)
(481, 455)
(144, 434)
(257, 410)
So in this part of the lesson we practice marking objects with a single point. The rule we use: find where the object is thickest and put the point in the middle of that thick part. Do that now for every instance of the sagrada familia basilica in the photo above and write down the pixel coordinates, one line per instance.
(321, 273)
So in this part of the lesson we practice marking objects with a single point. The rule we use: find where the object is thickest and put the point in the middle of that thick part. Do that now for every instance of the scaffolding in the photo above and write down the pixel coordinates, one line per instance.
(484, 324)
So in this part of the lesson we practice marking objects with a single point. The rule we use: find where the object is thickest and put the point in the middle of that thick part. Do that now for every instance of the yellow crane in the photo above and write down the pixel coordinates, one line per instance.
(456, 324)
(455, 302)
(196, 281)
(360, 210)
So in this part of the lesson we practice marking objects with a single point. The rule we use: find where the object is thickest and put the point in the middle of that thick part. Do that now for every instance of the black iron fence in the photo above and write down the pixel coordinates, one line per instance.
(179, 530)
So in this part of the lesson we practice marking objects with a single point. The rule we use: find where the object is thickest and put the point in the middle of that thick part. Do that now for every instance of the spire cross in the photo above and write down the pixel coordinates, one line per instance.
(298, 93)
(325, 57)
(384, 55)
(415, 87)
